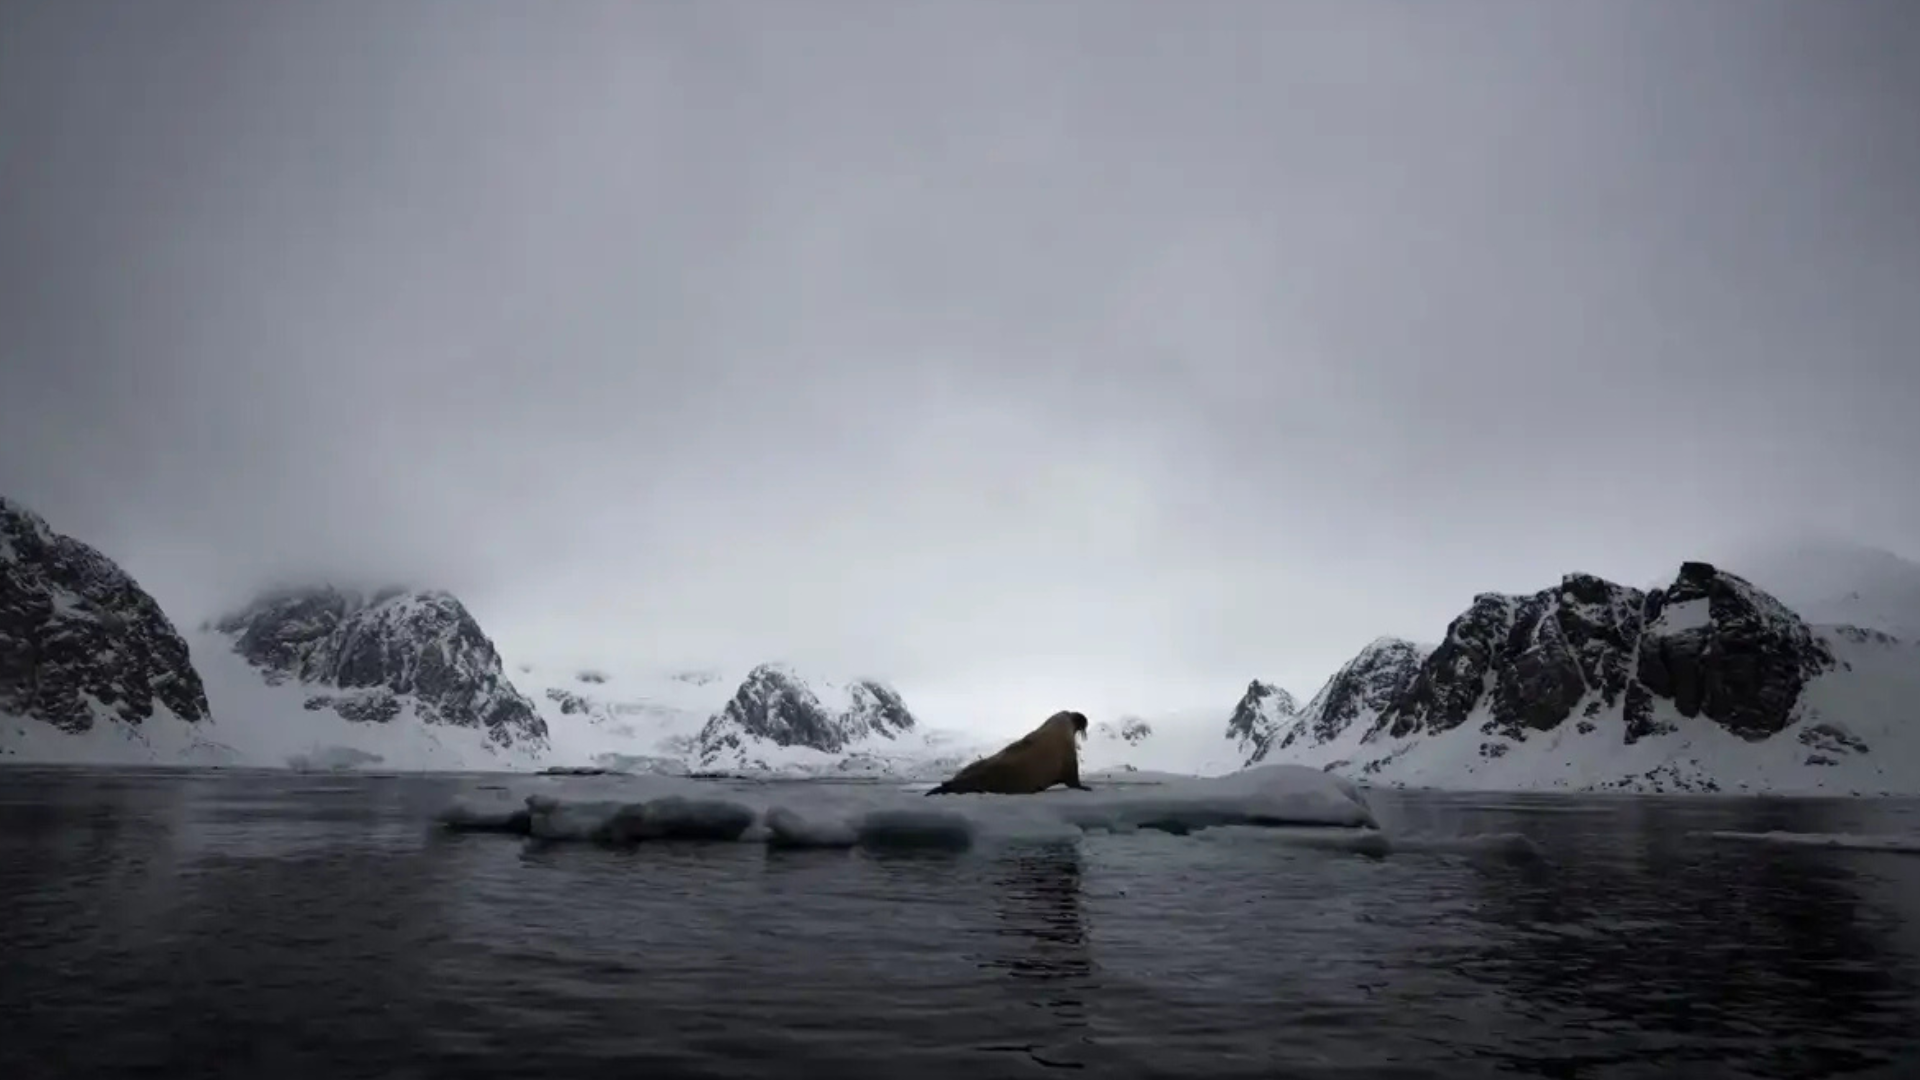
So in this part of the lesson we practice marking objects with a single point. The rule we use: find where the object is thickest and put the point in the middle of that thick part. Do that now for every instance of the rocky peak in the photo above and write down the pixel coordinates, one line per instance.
(1711, 643)
(79, 638)
(1262, 712)
(775, 705)
(1362, 690)
(875, 708)
(422, 645)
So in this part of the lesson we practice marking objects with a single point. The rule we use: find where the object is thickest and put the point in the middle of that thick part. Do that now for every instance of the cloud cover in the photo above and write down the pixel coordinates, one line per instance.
(1093, 351)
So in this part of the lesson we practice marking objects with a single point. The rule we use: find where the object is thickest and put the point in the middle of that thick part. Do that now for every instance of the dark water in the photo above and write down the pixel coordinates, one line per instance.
(214, 925)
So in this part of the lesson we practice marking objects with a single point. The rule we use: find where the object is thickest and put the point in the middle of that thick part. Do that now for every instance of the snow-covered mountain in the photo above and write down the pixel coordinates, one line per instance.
(90, 667)
(1264, 710)
(776, 714)
(404, 679)
(1707, 684)
(367, 658)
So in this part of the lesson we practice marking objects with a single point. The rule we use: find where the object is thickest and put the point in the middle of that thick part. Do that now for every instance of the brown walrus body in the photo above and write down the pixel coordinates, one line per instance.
(1043, 757)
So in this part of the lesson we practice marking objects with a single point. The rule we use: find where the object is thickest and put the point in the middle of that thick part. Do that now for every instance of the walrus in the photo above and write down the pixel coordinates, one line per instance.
(1043, 757)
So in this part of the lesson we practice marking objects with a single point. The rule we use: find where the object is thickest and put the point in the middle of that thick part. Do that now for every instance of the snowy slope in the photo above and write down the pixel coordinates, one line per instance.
(270, 725)
(161, 739)
(631, 719)
(1832, 582)
(1188, 742)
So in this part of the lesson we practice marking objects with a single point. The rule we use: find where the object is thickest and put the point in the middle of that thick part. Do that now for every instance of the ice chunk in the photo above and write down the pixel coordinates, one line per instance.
(500, 817)
(786, 829)
(1905, 845)
(331, 759)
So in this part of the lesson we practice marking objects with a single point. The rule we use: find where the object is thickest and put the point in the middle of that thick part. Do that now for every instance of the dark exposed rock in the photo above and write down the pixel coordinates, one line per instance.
(775, 705)
(570, 703)
(76, 630)
(1860, 635)
(1535, 657)
(1710, 644)
(419, 645)
(1638, 716)
(1264, 710)
(363, 707)
(1832, 738)
(1719, 647)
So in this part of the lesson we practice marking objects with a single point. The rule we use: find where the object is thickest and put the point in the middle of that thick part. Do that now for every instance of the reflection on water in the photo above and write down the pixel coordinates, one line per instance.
(202, 924)
(1035, 893)
(1040, 945)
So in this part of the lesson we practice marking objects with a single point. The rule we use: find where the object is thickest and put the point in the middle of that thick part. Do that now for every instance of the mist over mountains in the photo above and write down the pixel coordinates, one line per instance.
(1706, 683)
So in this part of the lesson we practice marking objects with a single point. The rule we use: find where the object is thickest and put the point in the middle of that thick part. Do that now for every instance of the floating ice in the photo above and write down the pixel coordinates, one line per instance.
(1905, 845)
(331, 759)
(829, 816)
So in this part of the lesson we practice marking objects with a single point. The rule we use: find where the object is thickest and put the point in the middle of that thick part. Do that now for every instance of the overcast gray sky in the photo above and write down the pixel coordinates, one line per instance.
(1025, 353)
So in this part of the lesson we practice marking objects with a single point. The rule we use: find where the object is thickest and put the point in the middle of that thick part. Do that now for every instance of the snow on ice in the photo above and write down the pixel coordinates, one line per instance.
(873, 816)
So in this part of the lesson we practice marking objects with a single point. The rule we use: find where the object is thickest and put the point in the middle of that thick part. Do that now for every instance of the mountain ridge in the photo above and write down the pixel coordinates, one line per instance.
(1635, 689)
(1708, 682)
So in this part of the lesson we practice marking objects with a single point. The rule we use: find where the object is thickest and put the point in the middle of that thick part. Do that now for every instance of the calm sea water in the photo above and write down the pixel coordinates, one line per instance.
(204, 924)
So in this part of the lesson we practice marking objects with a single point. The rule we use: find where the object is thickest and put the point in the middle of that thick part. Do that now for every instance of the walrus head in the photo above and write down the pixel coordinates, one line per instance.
(1079, 721)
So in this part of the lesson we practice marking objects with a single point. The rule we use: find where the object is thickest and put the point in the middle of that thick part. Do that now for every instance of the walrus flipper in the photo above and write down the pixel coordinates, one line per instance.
(1072, 779)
